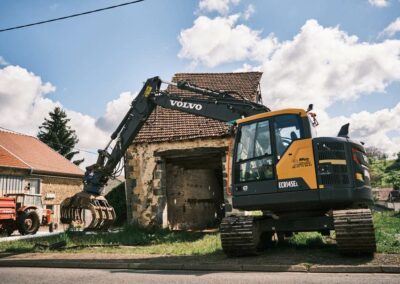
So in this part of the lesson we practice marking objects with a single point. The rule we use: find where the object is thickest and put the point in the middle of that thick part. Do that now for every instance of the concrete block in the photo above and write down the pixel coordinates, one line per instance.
(156, 266)
(390, 268)
(212, 267)
(345, 269)
(274, 268)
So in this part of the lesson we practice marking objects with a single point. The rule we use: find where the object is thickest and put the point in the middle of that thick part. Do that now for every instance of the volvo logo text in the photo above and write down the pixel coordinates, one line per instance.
(186, 105)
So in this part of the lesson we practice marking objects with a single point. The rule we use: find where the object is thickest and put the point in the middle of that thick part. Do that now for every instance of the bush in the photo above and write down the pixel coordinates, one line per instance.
(117, 199)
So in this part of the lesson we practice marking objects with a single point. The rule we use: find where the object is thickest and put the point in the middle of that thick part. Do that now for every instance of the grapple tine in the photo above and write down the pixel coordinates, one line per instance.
(73, 210)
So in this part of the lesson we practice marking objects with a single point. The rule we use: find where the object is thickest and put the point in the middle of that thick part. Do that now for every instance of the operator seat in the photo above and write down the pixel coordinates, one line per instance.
(280, 148)
(293, 136)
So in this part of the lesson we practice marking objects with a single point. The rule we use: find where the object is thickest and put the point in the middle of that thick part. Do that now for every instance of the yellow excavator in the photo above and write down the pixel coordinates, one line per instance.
(299, 182)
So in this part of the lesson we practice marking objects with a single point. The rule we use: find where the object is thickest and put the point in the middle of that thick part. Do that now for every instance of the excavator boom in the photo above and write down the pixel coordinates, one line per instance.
(219, 105)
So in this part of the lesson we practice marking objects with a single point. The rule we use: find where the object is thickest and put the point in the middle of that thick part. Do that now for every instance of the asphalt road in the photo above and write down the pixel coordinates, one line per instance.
(99, 276)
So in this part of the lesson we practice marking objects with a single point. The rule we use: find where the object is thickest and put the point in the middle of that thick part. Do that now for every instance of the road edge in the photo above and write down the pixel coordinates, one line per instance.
(202, 266)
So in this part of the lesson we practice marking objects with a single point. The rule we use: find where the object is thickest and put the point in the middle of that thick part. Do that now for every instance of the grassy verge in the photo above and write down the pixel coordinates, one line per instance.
(140, 240)
(387, 228)
(158, 241)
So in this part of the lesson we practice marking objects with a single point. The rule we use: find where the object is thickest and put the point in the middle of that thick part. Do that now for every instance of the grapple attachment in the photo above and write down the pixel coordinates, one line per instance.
(88, 210)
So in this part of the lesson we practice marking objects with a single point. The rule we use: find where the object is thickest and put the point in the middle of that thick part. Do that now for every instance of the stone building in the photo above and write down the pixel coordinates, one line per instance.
(177, 168)
(27, 165)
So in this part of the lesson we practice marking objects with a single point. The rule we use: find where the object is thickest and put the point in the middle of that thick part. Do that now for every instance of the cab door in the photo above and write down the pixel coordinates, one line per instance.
(295, 168)
(254, 159)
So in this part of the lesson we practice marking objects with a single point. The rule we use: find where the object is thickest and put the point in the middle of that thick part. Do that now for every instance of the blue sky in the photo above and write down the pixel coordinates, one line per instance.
(91, 60)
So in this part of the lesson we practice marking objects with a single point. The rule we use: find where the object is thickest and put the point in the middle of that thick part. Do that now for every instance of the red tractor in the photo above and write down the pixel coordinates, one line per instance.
(23, 212)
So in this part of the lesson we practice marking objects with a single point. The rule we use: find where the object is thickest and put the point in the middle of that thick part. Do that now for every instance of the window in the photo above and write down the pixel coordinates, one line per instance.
(259, 169)
(287, 129)
(32, 186)
(51, 207)
(254, 154)
(254, 141)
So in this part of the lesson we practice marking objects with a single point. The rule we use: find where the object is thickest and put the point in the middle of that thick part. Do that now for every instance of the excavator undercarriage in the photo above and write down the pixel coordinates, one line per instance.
(249, 235)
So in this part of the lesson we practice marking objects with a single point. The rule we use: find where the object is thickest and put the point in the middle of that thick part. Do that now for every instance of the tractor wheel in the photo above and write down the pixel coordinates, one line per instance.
(28, 222)
(10, 231)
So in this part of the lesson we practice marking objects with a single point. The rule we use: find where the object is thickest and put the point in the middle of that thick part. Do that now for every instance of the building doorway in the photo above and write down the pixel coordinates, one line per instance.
(194, 188)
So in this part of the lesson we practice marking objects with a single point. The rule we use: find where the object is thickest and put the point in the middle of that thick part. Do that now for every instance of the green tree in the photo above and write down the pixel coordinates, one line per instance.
(57, 134)
(374, 153)
(393, 173)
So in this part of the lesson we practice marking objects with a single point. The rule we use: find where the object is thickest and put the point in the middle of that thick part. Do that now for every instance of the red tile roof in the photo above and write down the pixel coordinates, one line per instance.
(23, 151)
(171, 125)
(9, 160)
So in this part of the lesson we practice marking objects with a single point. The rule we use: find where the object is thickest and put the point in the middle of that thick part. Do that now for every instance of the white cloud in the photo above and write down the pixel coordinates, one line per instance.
(115, 111)
(249, 12)
(220, 40)
(373, 128)
(320, 65)
(379, 3)
(23, 107)
(392, 28)
(3, 61)
(22, 101)
(221, 6)
(248, 68)
(325, 65)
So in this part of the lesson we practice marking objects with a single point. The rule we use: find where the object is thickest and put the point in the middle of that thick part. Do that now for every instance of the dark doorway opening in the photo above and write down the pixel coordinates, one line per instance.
(194, 188)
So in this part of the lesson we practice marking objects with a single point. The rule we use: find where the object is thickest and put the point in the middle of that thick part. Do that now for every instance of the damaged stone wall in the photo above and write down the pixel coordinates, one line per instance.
(193, 198)
(146, 182)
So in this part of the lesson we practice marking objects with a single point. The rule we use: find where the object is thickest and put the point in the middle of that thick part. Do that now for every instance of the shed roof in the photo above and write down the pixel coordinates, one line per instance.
(28, 152)
(171, 125)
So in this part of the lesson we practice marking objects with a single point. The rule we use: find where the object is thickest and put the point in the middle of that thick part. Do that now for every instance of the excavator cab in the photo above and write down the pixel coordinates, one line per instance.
(261, 143)
(300, 182)
(281, 166)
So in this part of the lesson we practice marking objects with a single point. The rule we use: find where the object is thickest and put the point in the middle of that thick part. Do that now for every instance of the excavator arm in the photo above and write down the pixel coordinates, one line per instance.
(219, 105)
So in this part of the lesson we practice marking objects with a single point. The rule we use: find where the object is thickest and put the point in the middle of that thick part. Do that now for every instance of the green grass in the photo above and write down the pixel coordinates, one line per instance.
(387, 228)
(140, 240)
(307, 240)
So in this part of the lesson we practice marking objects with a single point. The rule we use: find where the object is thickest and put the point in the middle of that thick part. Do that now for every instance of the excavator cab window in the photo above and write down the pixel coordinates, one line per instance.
(254, 152)
(287, 128)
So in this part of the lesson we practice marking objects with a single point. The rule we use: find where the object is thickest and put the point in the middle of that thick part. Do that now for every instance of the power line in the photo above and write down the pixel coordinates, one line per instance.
(71, 16)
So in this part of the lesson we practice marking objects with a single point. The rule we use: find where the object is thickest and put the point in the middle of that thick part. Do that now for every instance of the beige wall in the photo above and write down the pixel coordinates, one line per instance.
(61, 187)
(145, 187)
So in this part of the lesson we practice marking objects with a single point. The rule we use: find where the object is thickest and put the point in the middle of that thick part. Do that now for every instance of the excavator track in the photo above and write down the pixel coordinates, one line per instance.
(239, 235)
(355, 232)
